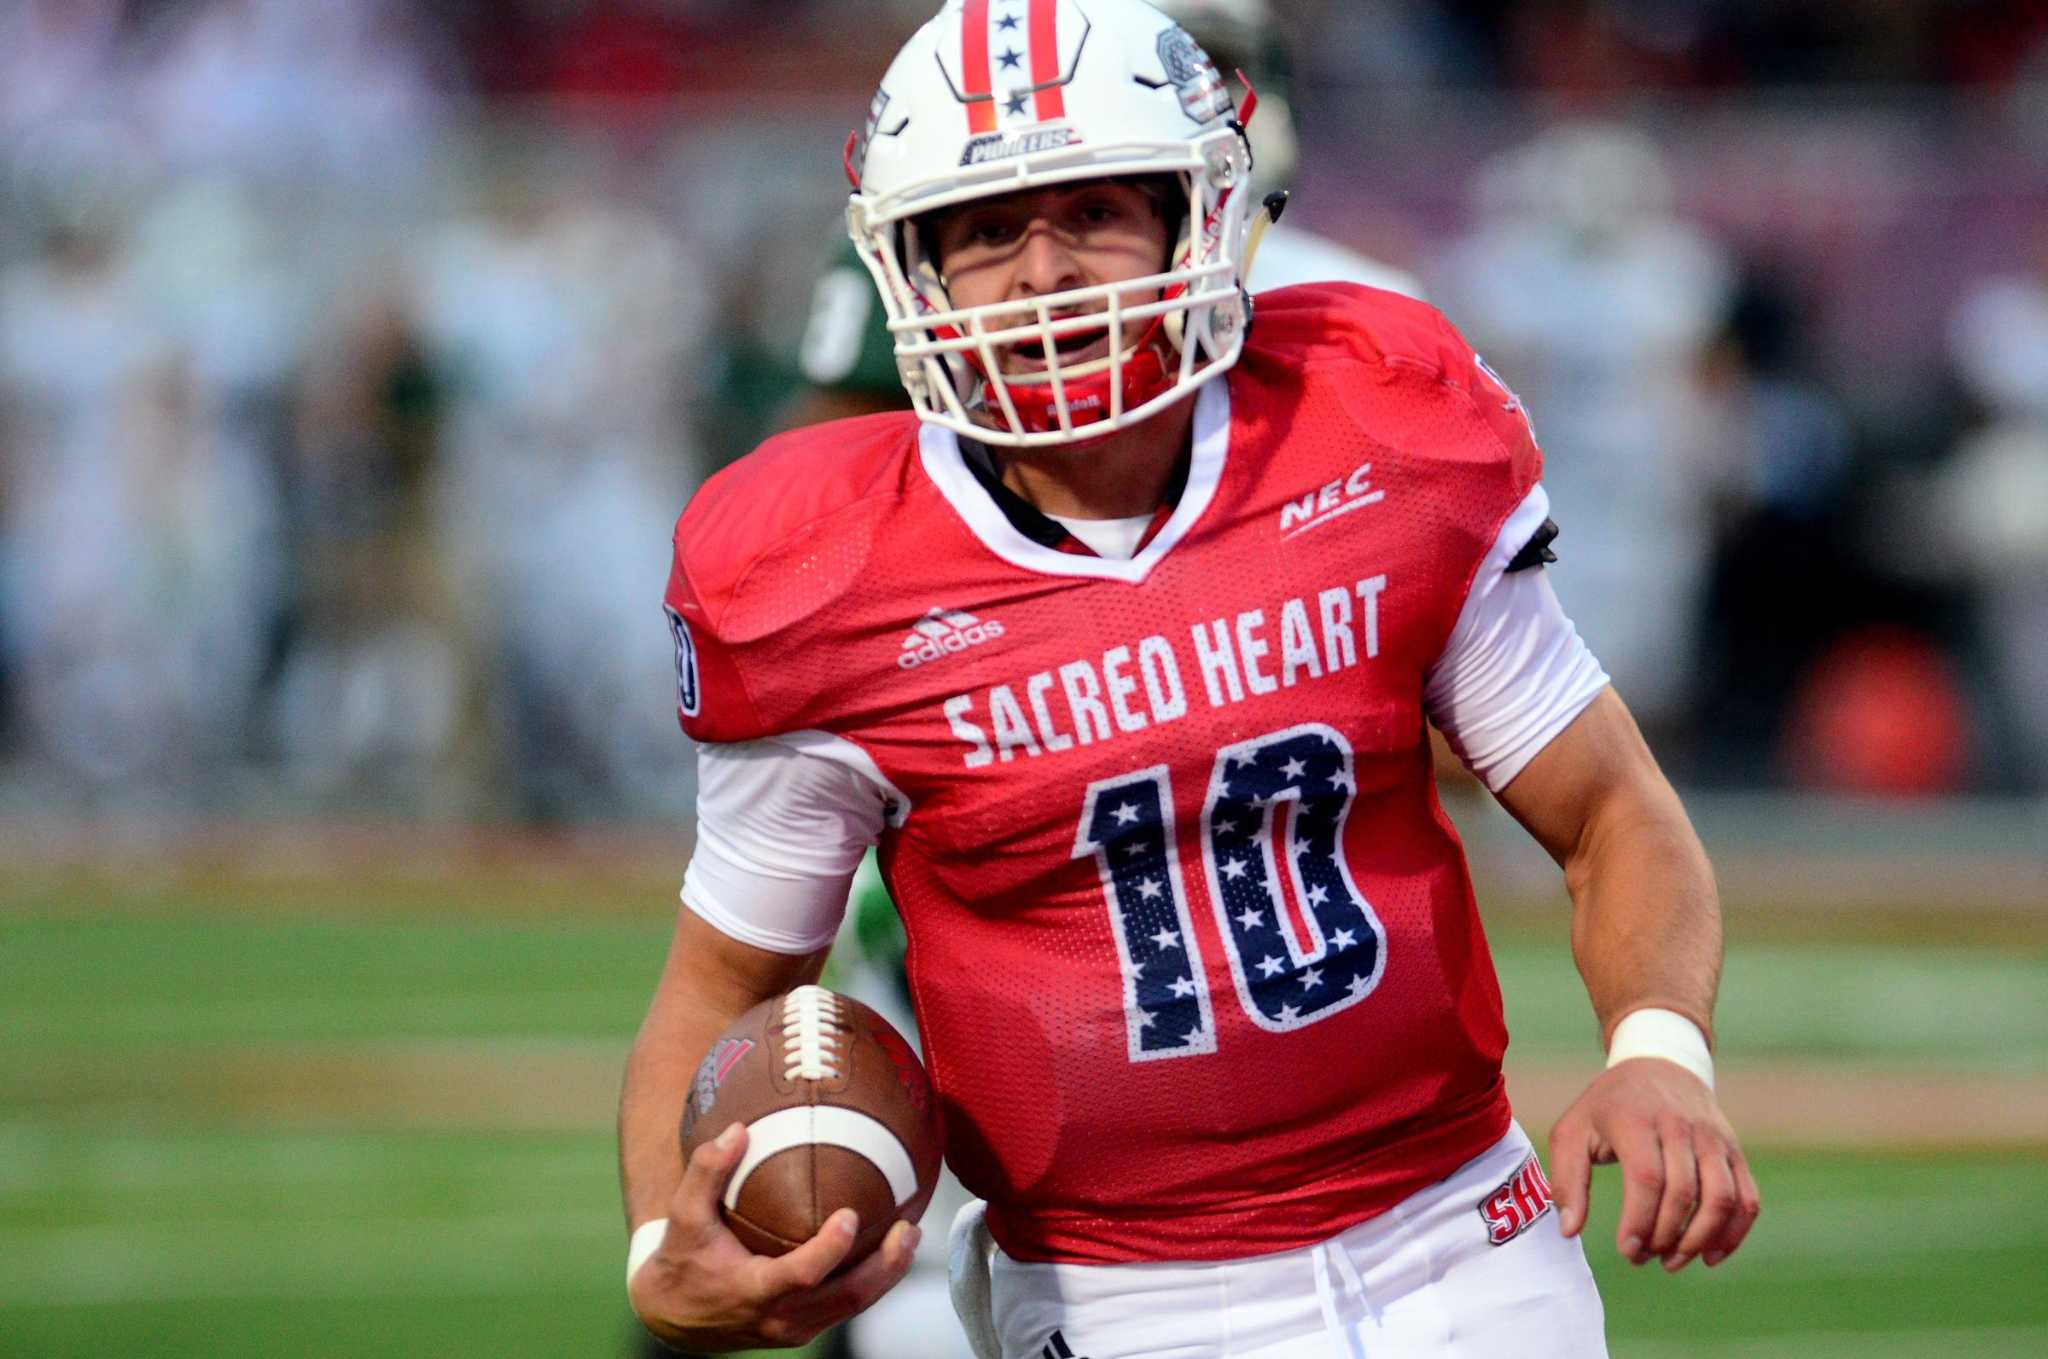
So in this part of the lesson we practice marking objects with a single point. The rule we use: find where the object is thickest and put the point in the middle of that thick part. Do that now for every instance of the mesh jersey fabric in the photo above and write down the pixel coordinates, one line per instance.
(1193, 948)
(783, 823)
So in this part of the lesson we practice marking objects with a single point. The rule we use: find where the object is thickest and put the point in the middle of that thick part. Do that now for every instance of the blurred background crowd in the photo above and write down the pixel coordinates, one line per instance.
(356, 357)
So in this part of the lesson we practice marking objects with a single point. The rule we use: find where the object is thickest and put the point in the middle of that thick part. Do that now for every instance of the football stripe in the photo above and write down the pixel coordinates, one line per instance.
(831, 1126)
(1045, 59)
(981, 103)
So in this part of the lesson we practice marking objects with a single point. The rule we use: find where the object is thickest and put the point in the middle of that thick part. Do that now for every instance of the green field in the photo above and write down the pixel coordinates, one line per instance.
(267, 1121)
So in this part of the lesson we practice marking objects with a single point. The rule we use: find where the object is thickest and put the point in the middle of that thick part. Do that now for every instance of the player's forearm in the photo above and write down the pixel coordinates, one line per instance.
(708, 982)
(1646, 921)
(1646, 924)
(658, 1071)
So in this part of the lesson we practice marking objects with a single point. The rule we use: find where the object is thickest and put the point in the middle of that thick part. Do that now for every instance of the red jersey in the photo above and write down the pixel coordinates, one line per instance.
(1193, 947)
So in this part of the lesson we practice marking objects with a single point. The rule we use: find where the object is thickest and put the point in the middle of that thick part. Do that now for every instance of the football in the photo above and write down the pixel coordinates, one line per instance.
(839, 1114)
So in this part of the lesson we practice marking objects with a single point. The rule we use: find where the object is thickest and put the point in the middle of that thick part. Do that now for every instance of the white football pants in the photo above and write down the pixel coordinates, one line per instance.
(1421, 1281)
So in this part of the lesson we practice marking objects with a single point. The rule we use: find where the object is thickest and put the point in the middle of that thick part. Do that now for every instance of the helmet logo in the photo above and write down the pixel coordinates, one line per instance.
(857, 145)
(1203, 95)
(875, 111)
(996, 146)
(859, 159)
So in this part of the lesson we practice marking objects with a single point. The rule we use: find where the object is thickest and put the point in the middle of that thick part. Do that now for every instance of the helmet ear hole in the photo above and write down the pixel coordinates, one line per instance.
(920, 234)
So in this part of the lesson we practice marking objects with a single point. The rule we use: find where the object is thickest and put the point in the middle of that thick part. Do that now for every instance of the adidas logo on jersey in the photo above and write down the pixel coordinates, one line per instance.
(942, 633)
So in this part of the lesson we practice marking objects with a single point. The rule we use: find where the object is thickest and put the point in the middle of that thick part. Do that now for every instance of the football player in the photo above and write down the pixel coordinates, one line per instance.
(1122, 649)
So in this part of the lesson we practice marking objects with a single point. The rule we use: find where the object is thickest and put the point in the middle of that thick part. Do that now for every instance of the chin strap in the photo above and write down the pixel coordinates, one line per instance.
(1143, 375)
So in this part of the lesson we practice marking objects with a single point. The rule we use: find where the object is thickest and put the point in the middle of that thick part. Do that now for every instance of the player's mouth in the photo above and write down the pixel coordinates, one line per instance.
(1080, 347)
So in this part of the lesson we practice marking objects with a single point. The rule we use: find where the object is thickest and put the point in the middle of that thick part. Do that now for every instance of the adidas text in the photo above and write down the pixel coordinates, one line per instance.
(942, 633)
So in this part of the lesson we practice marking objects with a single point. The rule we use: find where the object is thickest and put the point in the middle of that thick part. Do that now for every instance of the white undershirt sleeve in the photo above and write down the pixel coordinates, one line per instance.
(781, 826)
(1515, 671)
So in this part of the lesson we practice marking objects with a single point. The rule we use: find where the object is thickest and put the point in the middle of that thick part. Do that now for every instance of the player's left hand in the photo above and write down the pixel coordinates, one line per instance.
(1686, 1189)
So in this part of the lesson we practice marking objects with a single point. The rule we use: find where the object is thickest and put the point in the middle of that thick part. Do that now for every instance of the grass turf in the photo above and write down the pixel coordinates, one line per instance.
(166, 1189)
(249, 1243)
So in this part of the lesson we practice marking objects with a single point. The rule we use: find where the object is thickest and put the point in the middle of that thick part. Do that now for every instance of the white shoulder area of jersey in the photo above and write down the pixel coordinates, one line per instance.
(1289, 256)
(1515, 672)
(782, 824)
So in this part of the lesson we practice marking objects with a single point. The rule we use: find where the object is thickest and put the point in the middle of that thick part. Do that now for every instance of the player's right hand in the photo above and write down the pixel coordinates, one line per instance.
(704, 1291)
(1687, 1189)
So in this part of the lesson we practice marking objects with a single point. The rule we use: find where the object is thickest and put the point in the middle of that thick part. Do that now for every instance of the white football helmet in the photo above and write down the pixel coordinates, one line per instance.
(996, 96)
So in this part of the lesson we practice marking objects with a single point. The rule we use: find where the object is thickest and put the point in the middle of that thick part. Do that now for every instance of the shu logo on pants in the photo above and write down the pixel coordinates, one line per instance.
(1514, 1206)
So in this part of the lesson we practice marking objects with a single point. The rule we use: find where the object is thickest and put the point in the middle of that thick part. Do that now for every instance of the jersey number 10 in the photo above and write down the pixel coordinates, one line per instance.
(1275, 813)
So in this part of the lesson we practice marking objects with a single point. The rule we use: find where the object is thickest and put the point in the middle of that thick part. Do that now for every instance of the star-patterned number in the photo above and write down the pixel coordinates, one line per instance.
(1127, 828)
(1301, 776)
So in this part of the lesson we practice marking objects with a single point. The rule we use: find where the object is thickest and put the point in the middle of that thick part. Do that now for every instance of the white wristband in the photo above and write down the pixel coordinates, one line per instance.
(1666, 1034)
(647, 1239)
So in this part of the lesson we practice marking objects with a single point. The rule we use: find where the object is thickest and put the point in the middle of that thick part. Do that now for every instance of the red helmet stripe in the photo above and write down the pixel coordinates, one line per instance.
(1045, 59)
(981, 104)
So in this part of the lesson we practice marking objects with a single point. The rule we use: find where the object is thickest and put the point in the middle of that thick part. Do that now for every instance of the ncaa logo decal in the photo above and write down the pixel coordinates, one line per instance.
(689, 696)
(1515, 1205)
(711, 1073)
